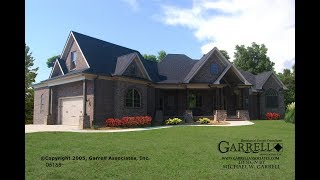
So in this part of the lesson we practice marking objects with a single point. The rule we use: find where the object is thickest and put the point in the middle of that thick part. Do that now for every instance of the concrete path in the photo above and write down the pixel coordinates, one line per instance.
(64, 128)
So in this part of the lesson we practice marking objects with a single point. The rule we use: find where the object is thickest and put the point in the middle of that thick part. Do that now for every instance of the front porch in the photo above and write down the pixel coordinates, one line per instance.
(223, 102)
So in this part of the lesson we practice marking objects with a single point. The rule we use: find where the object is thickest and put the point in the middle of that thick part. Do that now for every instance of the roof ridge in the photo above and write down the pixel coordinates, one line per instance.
(103, 40)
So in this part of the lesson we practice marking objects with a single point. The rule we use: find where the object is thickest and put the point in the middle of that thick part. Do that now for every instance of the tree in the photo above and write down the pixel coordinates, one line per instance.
(30, 75)
(50, 61)
(161, 55)
(288, 79)
(253, 59)
(225, 54)
(150, 57)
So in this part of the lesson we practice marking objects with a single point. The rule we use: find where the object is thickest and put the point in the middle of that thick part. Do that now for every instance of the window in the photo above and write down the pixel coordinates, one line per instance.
(271, 98)
(73, 59)
(214, 69)
(133, 99)
(41, 103)
(195, 100)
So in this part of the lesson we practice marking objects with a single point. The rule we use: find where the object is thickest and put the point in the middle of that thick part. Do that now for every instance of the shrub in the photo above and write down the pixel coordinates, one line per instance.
(272, 115)
(173, 121)
(290, 113)
(204, 120)
(134, 121)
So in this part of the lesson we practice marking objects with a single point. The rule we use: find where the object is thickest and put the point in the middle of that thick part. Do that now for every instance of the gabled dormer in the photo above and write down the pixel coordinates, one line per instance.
(73, 56)
(132, 66)
(58, 68)
(208, 68)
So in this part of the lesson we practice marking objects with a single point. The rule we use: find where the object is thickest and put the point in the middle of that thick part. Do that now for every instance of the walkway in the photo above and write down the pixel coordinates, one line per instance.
(64, 128)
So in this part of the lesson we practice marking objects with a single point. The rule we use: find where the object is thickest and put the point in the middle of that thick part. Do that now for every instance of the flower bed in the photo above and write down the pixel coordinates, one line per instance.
(272, 115)
(134, 121)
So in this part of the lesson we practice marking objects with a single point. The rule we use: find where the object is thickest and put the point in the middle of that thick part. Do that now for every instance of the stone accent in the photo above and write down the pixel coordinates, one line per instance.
(188, 116)
(220, 115)
(243, 114)
(204, 74)
(80, 62)
(158, 119)
(84, 122)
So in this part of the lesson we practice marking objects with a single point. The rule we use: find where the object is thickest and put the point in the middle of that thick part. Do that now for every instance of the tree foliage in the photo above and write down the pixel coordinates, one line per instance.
(30, 75)
(50, 61)
(150, 57)
(161, 55)
(225, 54)
(253, 58)
(288, 79)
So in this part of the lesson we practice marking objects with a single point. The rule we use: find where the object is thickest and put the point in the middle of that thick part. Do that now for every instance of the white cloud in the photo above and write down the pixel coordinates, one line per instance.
(226, 23)
(133, 4)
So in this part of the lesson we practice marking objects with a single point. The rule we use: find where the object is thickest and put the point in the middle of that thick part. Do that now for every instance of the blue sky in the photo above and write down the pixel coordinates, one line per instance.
(190, 27)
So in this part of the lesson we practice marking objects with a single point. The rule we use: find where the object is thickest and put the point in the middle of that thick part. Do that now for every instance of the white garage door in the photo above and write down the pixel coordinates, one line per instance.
(71, 110)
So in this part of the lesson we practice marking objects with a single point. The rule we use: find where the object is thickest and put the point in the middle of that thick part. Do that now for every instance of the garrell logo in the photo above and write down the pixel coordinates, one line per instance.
(249, 147)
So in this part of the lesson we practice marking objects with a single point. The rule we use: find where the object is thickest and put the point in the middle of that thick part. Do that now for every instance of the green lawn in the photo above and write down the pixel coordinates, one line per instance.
(183, 152)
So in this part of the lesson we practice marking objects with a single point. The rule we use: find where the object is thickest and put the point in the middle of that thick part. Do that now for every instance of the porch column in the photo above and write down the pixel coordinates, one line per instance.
(49, 101)
(222, 99)
(49, 114)
(84, 93)
(243, 98)
(217, 98)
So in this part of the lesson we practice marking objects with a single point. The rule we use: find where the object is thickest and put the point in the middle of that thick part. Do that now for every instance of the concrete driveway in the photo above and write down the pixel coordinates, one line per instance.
(64, 128)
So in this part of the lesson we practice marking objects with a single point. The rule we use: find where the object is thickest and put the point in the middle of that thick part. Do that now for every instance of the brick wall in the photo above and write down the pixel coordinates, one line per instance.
(40, 117)
(80, 62)
(120, 90)
(104, 106)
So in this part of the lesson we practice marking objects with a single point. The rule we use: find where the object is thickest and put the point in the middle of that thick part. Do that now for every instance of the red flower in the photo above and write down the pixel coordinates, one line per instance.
(135, 121)
(272, 115)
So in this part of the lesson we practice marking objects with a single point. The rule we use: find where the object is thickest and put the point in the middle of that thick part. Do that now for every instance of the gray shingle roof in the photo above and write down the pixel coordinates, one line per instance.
(174, 67)
(102, 56)
(63, 66)
(261, 78)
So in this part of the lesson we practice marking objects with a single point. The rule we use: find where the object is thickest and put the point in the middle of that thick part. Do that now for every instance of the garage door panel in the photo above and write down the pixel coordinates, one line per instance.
(71, 109)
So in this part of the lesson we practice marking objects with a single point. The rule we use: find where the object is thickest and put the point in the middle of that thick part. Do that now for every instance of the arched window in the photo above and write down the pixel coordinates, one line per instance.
(271, 98)
(133, 99)
(41, 103)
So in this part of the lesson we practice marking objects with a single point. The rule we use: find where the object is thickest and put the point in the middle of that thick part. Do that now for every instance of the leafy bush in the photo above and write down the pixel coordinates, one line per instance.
(204, 120)
(272, 115)
(173, 121)
(135, 121)
(290, 113)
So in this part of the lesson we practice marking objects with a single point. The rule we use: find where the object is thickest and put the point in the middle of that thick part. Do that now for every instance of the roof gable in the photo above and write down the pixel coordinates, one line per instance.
(270, 74)
(203, 62)
(56, 70)
(234, 70)
(70, 42)
(129, 60)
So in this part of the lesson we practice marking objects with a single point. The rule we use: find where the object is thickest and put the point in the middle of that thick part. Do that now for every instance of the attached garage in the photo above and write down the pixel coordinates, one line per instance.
(71, 110)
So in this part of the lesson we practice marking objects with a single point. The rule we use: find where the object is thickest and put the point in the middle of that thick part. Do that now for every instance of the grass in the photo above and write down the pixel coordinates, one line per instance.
(184, 152)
